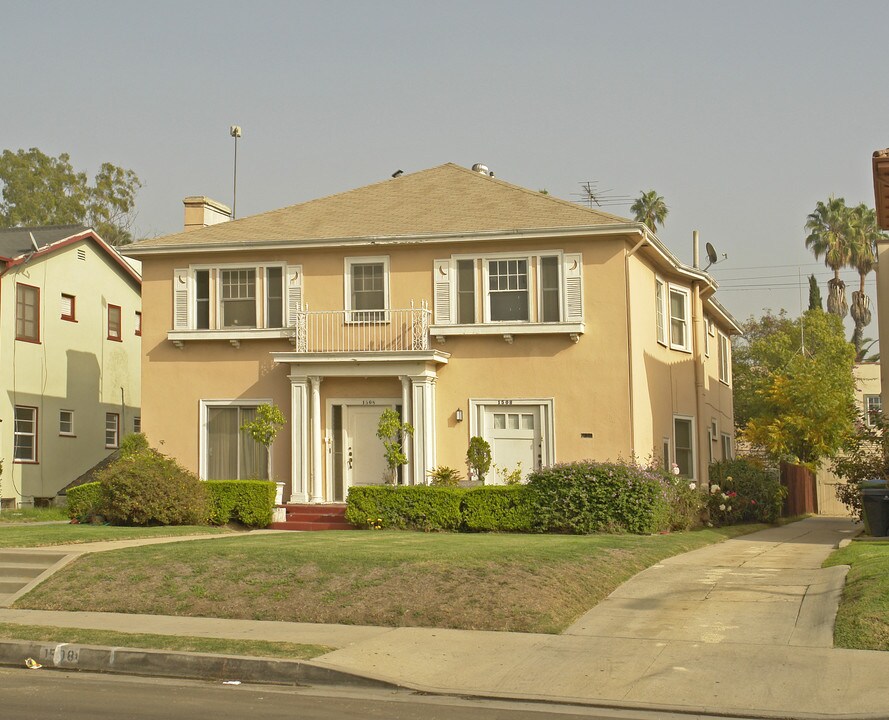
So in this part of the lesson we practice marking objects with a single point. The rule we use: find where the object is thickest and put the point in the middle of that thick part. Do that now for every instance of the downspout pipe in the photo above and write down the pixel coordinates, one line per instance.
(698, 331)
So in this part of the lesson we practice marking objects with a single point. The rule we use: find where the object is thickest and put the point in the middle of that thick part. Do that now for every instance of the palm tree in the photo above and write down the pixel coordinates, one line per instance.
(829, 235)
(650, 208)
(864, 233)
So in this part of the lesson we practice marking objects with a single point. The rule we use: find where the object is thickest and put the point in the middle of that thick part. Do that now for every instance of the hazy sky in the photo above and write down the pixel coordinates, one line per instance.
(742, 115)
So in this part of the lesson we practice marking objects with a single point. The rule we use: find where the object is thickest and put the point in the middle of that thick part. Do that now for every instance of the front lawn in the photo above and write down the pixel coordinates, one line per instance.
(15, 535)
(863, 617)
(525, 583)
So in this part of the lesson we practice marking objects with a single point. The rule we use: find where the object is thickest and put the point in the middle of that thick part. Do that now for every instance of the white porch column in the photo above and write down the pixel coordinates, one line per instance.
(406, 417)
(317, 490)
(423, 416)
(299, 439)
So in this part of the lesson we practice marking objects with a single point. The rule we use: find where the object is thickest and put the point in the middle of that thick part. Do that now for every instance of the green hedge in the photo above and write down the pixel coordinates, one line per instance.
(493, 508)
(406, 507)
(249, 502)
(84, 501)
(587, 497)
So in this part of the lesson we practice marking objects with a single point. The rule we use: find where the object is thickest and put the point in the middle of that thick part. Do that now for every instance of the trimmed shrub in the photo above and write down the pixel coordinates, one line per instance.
(753, 491)
(587, 497)
(249, 502)
(493, 508)
(84, 501)
(144, 487)
(405, 507)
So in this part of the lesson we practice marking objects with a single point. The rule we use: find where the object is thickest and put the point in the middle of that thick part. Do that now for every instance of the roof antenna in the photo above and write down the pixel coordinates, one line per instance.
(33, 242)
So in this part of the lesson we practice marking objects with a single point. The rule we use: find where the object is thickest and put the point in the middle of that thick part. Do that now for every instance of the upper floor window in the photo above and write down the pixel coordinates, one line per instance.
(367, 288)
(509, 289)
(68, 307)
(114, 322)
(66, 422)
(25, 434)
(236, 297)
(27, 313)
(873, 406)
(679, 304)
(725, 362)
(660, 310)
(138, 323)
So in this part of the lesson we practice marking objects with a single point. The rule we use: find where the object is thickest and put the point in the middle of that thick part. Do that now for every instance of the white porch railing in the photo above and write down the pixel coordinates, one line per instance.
(356, 331)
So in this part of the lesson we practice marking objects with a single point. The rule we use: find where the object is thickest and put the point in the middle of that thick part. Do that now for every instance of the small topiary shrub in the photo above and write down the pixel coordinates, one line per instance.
(753, 492)
(444, 476)
(587, 497)
(249, 502)
(144, 487)
(508, 508)
(405, 507)
(84, 501)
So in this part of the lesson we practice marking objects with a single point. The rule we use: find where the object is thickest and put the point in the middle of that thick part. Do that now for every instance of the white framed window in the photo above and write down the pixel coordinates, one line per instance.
(707, 326)
(679, 315)
(873, 406)
(507, 290)
(466, 292)
(236, 296)
(137, 424)
(66, 422)
(114, 323)
(25, 434)
(713, 437)
(112, 430)
(549, 289)
(684, 445)
(227, 452)
(138, 322)
(726, 446)
(660, 310)
(725, 360)
(367, 289)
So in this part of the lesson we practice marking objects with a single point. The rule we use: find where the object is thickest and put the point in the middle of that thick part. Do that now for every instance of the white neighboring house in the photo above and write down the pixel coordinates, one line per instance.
(70, 345)
(868, 400)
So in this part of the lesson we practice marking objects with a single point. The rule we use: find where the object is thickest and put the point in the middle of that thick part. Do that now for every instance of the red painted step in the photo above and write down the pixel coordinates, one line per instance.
(314, 517)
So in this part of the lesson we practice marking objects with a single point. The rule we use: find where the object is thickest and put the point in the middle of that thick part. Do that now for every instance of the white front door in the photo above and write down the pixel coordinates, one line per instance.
(363, 458)
(514, 434)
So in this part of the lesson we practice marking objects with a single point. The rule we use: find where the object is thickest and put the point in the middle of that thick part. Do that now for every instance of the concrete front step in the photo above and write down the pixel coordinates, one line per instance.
(20, 568)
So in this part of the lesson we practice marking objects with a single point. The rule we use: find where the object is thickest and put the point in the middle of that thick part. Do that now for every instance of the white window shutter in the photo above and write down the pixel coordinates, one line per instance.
(444, 313)
(572, 286)
(294, 292)
(181, 297)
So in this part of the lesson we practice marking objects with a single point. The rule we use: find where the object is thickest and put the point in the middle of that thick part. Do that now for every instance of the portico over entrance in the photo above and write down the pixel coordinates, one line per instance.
(336, 402)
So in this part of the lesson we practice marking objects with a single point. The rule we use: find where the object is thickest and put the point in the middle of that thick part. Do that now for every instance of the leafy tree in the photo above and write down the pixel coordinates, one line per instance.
(650, 208)
(41, 190)
(793, 386)
(814, 294)
(393, 433)
(478, 457)
(263, 428)
(830, 236)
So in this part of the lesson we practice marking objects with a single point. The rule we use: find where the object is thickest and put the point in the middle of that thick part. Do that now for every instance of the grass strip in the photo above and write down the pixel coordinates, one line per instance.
(505, 582)
(22, 535)
(31, 515)
(863, 617)
(145, 641)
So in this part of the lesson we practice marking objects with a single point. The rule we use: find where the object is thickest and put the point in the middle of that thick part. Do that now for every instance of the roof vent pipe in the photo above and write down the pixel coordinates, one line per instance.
(480, 169)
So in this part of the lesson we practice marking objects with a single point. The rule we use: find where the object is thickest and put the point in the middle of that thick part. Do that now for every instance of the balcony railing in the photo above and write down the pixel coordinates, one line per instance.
(359, 331)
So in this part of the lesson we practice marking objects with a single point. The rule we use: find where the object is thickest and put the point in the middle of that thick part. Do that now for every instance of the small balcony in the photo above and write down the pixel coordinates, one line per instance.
(361, 331)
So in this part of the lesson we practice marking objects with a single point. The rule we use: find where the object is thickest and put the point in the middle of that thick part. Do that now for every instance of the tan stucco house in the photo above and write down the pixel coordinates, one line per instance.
(70, 325)
(470, 305)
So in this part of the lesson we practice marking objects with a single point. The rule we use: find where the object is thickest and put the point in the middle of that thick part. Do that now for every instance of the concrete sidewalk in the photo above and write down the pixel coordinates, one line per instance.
(743, 627)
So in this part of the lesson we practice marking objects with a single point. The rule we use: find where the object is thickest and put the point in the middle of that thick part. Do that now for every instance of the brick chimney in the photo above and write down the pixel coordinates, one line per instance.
(202, 211)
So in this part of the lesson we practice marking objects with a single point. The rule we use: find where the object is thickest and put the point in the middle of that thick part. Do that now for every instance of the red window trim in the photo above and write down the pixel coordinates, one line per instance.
(119, 337)
(37, 319)
(139, 323)
(73, 316)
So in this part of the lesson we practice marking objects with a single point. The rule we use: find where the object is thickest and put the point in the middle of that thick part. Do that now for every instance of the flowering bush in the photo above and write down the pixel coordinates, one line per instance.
(758, 493)
(684, 502)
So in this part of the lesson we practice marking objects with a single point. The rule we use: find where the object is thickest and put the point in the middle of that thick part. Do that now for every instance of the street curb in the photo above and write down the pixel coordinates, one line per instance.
(189, 666)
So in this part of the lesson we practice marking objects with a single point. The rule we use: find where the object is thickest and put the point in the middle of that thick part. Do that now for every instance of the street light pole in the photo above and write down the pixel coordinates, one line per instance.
(235, 131)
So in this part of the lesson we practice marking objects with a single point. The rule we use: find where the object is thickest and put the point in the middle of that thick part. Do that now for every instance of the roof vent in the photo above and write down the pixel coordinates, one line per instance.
(481, 169)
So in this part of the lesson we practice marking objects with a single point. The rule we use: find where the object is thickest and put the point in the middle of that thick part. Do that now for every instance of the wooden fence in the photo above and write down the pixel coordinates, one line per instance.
(802, 497)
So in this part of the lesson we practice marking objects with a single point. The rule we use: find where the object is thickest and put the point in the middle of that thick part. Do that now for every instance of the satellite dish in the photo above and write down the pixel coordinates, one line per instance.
(711, 255)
